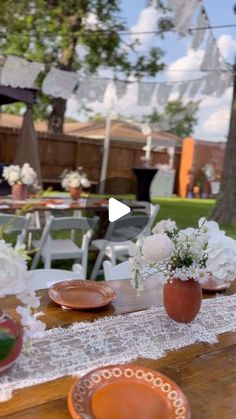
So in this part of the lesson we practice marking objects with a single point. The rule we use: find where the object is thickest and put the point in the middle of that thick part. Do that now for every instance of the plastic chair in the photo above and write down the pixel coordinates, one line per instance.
(59, 249)
(44, 278)
(16, 224)
(120, 250)
(120, 271)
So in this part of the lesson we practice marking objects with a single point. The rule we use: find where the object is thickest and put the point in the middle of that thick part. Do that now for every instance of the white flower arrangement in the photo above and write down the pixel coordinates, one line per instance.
(15, 174)
(15, 281)
(196, 253)
(74, 179)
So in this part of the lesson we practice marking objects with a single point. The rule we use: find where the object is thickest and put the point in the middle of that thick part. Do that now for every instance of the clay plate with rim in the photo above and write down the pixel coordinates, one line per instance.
(81, 294)
(127, 392)
(212, 286)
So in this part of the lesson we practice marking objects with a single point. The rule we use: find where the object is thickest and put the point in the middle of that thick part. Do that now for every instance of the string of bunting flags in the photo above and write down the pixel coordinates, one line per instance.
(18, 72)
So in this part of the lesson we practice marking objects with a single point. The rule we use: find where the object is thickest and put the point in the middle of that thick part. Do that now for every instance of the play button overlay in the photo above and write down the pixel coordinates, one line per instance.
(117, 209)
(120, 216)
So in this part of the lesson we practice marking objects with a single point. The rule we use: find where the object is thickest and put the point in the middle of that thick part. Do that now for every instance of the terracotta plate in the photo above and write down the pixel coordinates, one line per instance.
(81, 294)
(212, 286)
(127, 392)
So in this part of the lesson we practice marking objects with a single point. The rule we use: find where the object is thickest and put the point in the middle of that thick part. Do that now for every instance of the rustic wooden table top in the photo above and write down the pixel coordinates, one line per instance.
(205, 372)
(100, 205)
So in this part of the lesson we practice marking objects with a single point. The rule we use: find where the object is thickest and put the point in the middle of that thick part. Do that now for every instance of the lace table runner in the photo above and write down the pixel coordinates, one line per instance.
(118, 339)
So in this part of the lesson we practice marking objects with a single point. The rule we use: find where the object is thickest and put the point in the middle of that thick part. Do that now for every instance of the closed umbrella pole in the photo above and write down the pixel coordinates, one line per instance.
(106, 151)
(27, 146)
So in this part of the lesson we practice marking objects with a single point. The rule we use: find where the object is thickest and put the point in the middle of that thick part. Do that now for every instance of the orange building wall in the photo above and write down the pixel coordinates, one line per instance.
(186, 164)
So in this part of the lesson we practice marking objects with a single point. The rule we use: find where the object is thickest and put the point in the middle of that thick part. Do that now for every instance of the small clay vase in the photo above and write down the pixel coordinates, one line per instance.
(11, 340)
(182, 299)
(19, 192)
(75, 193)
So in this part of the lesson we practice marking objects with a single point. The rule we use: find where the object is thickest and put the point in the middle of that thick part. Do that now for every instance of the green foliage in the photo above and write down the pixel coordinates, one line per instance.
(182, 126)
(98, 117)
(7, 342)
(56, 32)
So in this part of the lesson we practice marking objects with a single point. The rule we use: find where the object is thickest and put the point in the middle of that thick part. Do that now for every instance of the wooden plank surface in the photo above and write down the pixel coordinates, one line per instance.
(206, 373)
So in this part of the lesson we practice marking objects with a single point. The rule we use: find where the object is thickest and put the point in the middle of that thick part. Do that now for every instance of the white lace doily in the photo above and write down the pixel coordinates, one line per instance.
(118, 339)
(59, 83)
(18, 72)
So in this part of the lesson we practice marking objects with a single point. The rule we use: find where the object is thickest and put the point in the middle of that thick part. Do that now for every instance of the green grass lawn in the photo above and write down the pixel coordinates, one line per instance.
(186, 212)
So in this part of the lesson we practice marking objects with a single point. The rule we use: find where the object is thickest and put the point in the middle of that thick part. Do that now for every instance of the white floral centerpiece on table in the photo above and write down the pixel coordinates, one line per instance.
(24, 175)
(15, 280)
(74, 182)
(189, 255)
(75, 179)
(20, 178)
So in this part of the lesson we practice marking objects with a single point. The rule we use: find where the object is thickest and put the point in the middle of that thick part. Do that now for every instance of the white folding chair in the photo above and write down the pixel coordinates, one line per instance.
(120, 271)
(13, 224)
(59, 249)
(44, 278)
(120, 250)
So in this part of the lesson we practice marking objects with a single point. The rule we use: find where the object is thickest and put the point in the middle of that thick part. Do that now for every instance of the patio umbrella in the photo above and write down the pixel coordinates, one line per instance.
(27, 146)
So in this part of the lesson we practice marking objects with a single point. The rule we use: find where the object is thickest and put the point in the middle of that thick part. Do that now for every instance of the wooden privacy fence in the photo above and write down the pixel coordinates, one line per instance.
(61, 151)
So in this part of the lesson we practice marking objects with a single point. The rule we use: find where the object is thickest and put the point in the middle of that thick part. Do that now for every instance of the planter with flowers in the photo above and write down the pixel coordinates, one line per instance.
(15, 280)
(74, 182)
(185, 260)
(20, 178)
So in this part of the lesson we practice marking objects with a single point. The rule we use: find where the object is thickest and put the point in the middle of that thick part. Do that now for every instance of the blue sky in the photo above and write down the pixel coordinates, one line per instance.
(214, 113)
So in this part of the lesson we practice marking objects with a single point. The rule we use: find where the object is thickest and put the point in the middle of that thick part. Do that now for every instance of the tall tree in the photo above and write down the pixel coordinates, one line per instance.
(180, 118)
(80, 35)
(225, 211)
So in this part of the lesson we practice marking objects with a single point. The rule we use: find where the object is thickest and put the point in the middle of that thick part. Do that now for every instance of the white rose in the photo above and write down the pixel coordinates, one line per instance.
(28, 175)
(165, 226)
(12, 174)
(12, 270)
(157, 248)
(85, 182)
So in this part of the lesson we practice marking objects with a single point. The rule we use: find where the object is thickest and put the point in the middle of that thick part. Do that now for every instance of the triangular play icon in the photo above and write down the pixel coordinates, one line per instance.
(117, 209)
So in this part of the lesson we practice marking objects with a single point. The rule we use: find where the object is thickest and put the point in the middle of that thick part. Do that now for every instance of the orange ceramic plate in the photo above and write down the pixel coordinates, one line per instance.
(212, 286)
(81, 294)
(215, 288)
(127, 392)
(51, 201)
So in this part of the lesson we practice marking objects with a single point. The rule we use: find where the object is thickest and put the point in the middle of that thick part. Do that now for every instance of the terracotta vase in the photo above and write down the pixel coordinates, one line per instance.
(75, 193)
(11, 340)
(19, 192)
(182, 299)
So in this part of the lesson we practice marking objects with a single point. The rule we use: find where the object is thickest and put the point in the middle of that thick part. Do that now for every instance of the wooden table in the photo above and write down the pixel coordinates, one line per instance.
(31, 205)
(206, 373)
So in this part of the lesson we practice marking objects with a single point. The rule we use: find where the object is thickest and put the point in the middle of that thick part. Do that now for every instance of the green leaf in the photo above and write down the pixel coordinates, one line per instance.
(7, 342)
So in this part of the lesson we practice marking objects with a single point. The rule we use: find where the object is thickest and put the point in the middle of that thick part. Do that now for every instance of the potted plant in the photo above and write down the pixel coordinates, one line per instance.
(20, 178)
(184, 260)
(14, 280)
(74, 182)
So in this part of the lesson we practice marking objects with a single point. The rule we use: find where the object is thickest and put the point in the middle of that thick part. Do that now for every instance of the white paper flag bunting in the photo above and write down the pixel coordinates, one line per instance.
(121, 88)
(163, 93)
(183, 12)
(183, 88)
(59, 83)
(211, 56)
(18, 72)
(225, 82)
(92, 88)
(195, 86)
(211, 82)
(199, 34)
(145, 93)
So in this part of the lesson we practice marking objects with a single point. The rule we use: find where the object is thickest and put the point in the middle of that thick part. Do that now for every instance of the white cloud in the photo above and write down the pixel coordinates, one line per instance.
(218, 122)
(147, 21)
(179, 69)
(227, 46)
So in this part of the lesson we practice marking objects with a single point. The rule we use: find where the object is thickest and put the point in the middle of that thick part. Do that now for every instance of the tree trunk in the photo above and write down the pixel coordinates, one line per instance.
(57, 116)
(56, 119)
(225, 211)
